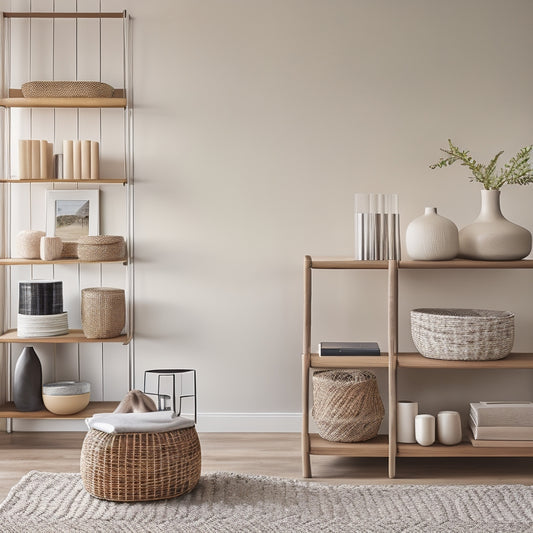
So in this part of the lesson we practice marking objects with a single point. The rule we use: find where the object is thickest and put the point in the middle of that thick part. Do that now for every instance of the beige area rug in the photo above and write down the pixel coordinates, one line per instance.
(53, 503)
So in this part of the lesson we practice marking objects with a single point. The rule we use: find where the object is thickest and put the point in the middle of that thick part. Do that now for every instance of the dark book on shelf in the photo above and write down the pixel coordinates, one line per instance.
(348, 348)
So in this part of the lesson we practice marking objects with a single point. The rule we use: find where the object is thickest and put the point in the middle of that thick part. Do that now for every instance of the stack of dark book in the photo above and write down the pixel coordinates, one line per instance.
(348, 348)
(501, 423)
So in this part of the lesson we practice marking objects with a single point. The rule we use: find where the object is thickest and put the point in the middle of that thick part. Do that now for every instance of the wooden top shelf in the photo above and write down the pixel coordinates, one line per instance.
(349, 263)
(11, 261)
(513, 360)
(120, 181)
(72, 337)
(346, 361)
(64, 102)
(8, 410)
(63, 15)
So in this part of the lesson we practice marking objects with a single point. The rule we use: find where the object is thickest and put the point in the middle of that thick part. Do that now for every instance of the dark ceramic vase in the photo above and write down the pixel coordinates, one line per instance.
(28, 381)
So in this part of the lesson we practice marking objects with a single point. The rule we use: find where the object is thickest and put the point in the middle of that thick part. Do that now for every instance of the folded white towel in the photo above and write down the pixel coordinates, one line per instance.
(153, 422)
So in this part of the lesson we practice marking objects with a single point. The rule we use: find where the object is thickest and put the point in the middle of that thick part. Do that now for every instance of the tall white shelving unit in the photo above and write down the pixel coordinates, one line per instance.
(65, 46)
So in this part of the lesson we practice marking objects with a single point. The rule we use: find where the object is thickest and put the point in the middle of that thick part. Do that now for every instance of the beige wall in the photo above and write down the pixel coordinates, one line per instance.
(255, 123)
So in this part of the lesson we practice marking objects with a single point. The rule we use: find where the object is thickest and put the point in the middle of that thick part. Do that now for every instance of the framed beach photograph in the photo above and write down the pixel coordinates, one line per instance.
(72, 214)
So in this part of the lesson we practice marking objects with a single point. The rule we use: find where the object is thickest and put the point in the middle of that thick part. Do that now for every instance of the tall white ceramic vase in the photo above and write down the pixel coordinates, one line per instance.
(491, 236)
(431, 237)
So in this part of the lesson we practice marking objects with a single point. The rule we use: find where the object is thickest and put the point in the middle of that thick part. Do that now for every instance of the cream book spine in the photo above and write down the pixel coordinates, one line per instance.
(95, 160)
(76, 160)
(85, 160)
(68, 153)
(35, 159)
(24, 159)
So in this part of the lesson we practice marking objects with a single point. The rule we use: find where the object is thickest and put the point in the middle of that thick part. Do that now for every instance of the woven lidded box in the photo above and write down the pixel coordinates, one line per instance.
(347, 406)
(101, 248)
(103, 312)
(66, 89)
(462, 334)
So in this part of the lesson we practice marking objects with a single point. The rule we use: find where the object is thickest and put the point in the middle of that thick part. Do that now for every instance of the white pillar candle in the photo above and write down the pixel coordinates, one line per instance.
(43, 173)
(24, 159)
(449, 428)
(95, 160)
(76, 160)
(85, 160)
(406, 412)
(425, 429)
(35, 159)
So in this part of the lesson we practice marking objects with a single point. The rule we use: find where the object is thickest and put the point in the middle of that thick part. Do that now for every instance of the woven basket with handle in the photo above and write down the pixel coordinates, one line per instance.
(134, 467)
(347, 406)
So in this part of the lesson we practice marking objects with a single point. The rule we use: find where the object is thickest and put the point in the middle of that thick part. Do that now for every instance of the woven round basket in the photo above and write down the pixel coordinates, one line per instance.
(136, 467)
(347, 406)
(103, 312)
(462, 334)
(66, 89)
(101, 248)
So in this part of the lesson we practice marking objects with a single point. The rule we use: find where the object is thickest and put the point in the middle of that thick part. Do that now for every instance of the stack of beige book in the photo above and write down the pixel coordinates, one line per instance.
(501, 423)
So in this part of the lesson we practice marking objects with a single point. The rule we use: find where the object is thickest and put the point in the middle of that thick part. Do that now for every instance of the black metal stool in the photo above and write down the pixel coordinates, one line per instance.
(162, 397)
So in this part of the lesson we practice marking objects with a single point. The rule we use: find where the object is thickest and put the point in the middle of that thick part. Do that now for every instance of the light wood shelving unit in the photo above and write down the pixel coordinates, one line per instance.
(121, 99)
(386, 445)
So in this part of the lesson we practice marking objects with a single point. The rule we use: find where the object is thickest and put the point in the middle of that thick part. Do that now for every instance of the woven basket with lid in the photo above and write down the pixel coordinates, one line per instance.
(103, 312)
(101, 248)
(347, 406)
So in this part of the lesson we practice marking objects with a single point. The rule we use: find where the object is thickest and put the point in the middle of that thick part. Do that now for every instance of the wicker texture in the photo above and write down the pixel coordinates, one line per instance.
(101, 248)
(66, 89)
(70, 250)
(103, 312)
(134, 467)
(462, 334)
(28, 244)
(347, 406)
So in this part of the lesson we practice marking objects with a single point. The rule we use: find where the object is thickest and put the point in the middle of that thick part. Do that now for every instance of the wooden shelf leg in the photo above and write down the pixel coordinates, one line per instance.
(306, 364)
(393, 361)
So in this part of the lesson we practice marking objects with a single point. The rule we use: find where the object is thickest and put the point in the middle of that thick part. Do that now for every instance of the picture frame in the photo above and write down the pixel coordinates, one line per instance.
(72, 214)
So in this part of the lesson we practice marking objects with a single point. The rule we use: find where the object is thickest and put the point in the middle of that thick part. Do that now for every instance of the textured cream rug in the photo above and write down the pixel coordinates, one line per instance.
(57, 503)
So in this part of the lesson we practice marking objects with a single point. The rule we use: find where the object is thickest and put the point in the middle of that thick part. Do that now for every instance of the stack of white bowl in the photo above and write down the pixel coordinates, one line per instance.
(41, 309)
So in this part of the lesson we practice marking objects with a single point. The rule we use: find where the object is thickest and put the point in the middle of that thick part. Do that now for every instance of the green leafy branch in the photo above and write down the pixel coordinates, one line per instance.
(517, 171)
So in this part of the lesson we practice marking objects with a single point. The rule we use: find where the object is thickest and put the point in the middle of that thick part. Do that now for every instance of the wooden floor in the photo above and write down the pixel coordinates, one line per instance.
(270, 454)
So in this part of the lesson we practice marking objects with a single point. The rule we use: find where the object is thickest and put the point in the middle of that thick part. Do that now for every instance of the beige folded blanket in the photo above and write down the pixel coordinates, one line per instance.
(153, 422)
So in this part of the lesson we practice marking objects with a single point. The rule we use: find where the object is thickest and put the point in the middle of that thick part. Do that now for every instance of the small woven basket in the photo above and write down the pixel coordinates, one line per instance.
(462, 334)
(347, 406)
(103, 312)
(66, 89)
(101, 248)
(136, 467)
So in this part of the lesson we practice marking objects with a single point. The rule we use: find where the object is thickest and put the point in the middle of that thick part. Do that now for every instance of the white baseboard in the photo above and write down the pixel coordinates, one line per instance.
(207, 423)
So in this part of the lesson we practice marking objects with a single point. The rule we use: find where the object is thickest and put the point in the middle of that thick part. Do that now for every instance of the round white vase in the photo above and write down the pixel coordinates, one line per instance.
(491, 237)
(432, 237)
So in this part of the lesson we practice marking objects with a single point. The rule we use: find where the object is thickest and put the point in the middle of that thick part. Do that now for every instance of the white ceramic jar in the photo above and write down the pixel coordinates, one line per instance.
(449, 428)
(432, 237)
(405, 419)
(425, 429)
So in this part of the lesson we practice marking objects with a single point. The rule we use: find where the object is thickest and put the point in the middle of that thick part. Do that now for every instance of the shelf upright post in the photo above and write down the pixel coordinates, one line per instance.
(306, 363)
(393, 360)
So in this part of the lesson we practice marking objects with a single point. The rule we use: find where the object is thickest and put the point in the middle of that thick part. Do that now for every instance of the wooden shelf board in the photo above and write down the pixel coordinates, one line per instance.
(345, 361)
(17, 261)
(347, 263)
(64, 102)
(513, 360)
(350, 263)
(72, 337)
(8, 410)
(119, 181)
(377, 447)
(464, 449)
(58, 14)
(465, 263)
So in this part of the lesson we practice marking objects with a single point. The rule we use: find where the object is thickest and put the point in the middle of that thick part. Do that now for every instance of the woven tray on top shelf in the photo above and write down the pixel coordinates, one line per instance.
(462, 334)
(66, 89)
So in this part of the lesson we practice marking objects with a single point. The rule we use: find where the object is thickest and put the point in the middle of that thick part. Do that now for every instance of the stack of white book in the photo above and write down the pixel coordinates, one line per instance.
(501, 423)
